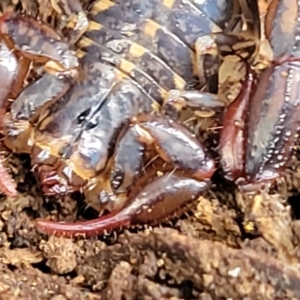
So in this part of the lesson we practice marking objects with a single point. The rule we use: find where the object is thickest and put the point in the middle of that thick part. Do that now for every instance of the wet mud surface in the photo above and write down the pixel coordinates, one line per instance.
(214, 251)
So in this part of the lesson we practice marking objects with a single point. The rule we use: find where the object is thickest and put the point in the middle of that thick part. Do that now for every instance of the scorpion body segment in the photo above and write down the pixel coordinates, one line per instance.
(100, 120)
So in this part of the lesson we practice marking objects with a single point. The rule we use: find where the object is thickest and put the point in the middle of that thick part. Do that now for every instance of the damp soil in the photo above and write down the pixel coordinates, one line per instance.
(224, 247)
(208, 253)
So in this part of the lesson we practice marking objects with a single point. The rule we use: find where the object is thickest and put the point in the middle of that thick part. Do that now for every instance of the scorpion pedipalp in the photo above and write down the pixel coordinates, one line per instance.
(160, 199)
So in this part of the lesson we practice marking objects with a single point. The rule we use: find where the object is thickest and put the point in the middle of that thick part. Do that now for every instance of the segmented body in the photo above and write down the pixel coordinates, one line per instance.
(92, 133)
(153, 42)
(132, 54)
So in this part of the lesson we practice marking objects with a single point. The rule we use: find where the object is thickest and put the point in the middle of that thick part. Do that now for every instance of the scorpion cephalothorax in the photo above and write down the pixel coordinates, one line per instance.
(93, 121)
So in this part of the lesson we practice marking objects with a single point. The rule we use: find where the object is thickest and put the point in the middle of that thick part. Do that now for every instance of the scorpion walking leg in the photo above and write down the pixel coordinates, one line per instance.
(39, 43)
(77, 19)
(194, 100)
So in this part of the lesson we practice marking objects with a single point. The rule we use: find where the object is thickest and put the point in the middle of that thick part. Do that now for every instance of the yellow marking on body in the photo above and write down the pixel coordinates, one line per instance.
(52, 145)
(102, 5)
(85, 42)
(126, 66)
(168, 3)
(80, 53)
(155, 106)
(150, 28)
(163, 93)
(120, 75)
(195, 65)
(179, 82)
(94, 26)
(137, 50)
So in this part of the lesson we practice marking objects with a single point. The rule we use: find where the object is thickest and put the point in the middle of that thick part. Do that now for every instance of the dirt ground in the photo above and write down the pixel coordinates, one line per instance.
(225, 247)
(206, 254)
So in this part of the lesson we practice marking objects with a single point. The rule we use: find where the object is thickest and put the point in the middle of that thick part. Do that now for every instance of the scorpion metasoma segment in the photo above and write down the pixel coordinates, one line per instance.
(92, 121)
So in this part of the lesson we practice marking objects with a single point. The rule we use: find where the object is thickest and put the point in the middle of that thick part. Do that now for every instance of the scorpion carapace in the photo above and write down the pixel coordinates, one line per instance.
(101, 118)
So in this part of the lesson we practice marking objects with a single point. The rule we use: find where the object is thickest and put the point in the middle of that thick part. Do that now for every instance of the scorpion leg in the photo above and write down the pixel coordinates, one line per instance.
(77, 19)
(128, 157)
(164, 196)
(26, 37)
(176, 145)
(39, 43)
(27, 107)
(13, 71)
(194, 100)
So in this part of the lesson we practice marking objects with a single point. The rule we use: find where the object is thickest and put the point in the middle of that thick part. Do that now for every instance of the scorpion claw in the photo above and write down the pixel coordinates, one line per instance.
(167, 137)
(232, 138)
(163, 197)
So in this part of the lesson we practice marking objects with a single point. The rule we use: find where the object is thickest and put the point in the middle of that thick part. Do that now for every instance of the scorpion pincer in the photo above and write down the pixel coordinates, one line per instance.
(93, 121)
(262, 124)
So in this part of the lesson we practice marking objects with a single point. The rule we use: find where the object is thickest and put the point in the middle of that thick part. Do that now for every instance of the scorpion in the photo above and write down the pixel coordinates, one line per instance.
(103, 113)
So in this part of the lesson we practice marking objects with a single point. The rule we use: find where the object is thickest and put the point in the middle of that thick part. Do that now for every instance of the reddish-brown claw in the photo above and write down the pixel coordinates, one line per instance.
(232, 137)
(160, 199)
(261, 126)
(256, 150)
(176, 145)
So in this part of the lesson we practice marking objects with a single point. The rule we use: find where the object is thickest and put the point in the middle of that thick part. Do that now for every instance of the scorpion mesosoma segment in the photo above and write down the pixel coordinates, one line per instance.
(99, 117)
